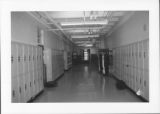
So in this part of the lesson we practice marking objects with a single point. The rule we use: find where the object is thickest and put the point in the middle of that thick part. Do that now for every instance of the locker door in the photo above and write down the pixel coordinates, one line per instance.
(141, 68)
(125, 76)
(120, 60)
(138, 67)
(131, 49)
(31, 70)
(14, 69)
(34, 70)
(146, 69)
(21, 73)
(26, 73)
(38, 69)
(134, 67)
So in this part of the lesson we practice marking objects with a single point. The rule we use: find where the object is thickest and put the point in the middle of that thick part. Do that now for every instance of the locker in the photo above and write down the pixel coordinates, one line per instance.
(146, 69)
(127, 59)
(21, 73)
(140, 64)
(26, 72)
(30, 48)
(15, 90)
(125, 64)
(131, 66)
(134, 67)
(34, 71)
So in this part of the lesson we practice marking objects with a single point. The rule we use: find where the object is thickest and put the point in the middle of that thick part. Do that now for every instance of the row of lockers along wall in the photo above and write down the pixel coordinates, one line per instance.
(54, 61)
(131, 64)
(26, 71)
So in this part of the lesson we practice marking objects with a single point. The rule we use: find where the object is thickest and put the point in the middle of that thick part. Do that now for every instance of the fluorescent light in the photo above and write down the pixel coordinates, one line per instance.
(84, 23)
(84, 36)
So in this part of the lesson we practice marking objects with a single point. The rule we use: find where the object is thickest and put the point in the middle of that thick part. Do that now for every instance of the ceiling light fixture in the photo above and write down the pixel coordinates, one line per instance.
(84, 36)
(86, 23)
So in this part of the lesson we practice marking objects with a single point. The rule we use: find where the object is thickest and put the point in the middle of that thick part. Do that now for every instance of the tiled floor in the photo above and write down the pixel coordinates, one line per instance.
(83, 83)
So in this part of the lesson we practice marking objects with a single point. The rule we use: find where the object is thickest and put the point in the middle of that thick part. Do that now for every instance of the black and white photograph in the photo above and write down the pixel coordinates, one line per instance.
(80, 57)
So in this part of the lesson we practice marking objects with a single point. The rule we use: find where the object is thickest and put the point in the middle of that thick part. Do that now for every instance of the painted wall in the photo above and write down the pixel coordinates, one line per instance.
(136, 28)
(24, 28)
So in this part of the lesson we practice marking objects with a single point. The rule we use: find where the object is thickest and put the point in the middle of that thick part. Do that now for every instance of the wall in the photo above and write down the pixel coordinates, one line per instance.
(24, 28)
(136, 28)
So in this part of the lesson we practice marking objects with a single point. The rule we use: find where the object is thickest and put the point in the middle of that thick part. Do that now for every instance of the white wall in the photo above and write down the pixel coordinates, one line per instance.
(24, 28)
(132, 30)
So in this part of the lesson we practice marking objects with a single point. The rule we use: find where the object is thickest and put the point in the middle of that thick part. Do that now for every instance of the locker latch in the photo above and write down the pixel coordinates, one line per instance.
(19, 89)
(25, 87)
(13, 93)
(145, 83)
(18, 58)
(12, 59)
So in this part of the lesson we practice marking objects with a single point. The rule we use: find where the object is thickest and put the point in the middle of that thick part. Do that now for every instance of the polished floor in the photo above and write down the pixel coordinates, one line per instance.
(83, 83)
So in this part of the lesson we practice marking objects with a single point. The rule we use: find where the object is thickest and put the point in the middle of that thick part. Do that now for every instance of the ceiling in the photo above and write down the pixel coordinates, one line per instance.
(83, 28)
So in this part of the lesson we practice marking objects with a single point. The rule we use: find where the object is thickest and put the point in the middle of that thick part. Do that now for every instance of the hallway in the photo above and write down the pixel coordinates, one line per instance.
(83, 83)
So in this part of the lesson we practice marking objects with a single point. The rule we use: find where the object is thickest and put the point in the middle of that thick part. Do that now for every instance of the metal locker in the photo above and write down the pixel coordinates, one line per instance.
(120, 70)
(15, 90)
(134, 66)
(30, 57)
(125, 64)
(26, 72)
(21, 72)
(127, 59)
(33, 70)
(140, 66)
(131, 58)
(146, 69)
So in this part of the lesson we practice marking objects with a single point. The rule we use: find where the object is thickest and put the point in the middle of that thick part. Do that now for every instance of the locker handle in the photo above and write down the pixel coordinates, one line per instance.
(19, 89)
(30, 84)
(18, 58)
(144, 54)
(12, 59)
(145, 83)
(13, 93)
(25, 86)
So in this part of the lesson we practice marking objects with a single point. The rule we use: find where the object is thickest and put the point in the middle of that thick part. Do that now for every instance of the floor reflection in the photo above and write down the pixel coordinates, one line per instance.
(83, 83)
